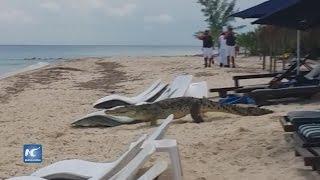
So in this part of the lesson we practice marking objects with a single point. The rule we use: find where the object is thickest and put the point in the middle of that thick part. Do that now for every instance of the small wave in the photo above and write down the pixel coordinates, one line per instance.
(25, 69)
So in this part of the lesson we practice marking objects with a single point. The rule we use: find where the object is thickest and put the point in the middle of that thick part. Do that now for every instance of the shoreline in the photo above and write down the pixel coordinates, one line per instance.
(39, 106)
(32, 67)
(41, 64)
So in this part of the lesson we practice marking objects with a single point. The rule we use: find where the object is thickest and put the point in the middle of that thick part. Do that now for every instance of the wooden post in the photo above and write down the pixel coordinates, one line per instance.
(270, 64)
(275, 64)
(264, 62)
(283, 64)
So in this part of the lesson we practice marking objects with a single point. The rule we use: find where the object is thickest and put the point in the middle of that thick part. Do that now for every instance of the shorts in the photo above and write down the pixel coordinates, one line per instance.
(207, 52)
(231, 51)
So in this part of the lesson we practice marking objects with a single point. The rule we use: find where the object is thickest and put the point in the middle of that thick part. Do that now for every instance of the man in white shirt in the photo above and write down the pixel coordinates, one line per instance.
(223, 50)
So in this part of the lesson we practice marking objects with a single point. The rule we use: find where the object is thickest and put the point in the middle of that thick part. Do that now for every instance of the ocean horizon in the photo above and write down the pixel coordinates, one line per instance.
(14, 58)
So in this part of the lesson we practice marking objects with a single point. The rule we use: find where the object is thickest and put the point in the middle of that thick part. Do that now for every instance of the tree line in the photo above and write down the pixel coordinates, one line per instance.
(264, 40)
(271, 40)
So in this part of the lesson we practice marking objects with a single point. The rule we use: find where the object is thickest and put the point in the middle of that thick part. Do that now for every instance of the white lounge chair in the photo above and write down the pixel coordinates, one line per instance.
(198, 90)
(155, 171)
(79, 169)
(177, 88)
(100, 118)
(149, 95)
(26, 178)
(169, 146)
(129, 172)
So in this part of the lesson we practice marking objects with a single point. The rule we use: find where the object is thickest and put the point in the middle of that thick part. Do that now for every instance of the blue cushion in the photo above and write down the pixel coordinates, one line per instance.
(236, 99)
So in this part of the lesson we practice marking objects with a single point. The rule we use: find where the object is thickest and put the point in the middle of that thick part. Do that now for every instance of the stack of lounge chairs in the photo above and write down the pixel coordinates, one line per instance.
(125, 167)
(149, 95)
(305, 126)
(180, 86)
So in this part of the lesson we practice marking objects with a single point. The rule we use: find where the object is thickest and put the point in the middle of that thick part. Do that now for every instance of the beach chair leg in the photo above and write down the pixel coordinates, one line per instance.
(170, 146)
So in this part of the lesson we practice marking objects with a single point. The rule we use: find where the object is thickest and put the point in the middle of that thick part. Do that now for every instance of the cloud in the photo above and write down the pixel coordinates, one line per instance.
(123, 10)
(107, 7)
(161, 19)
(14, 16)
(50, 5)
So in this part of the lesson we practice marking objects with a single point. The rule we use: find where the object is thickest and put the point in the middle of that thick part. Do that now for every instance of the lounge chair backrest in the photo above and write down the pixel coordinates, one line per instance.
(159, 132)
(26, 178)
(198, 90)
(127, 157)
(153, 87)
(177, 88)
(314, 73)
(129, 172)
(155, 171)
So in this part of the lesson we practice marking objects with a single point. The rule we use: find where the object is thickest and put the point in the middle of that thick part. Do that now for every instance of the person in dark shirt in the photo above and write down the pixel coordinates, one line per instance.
(207, 48)
(231, 43)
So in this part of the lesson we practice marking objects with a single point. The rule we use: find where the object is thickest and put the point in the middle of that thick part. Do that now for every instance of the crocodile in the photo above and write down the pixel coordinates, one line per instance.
(181, 107)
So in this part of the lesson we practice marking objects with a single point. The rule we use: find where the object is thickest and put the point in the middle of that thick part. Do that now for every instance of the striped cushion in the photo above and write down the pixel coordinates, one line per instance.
(298, 118)
(310, 131)
(303, 114)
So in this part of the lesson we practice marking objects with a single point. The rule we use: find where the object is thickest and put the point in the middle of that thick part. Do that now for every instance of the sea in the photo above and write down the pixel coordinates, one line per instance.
(19, 58)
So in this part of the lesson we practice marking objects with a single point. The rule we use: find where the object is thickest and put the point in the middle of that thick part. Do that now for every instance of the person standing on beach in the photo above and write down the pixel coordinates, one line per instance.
(207, 48)
(222, 50)
(231, 43)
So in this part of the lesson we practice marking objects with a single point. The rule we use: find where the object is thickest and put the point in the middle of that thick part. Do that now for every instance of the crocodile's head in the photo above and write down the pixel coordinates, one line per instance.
(136, 112)
(123, 111)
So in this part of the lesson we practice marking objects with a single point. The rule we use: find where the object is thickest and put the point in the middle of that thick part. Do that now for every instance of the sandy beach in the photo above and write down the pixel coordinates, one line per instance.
(38, 106)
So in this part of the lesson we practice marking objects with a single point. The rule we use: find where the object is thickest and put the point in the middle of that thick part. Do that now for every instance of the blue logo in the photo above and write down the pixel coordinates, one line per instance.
(32, 153)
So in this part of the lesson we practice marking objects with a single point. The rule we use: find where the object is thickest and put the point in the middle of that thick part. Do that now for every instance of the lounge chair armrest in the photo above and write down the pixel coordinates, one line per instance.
(155, 171)
(26, 178)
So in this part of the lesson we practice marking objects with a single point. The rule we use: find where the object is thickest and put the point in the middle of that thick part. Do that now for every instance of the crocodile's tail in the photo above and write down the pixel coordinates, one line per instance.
(245, 110)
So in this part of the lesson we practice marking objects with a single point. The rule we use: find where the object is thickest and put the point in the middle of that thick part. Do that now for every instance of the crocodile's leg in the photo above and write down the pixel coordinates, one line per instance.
(196, 113)
(152, 121)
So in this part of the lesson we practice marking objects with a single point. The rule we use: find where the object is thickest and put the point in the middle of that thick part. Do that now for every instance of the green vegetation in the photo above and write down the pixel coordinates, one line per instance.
(248, 41)
(271, 40)
(217, 13)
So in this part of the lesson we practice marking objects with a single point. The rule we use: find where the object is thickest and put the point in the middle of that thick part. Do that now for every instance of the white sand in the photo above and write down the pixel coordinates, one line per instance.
(38, 107)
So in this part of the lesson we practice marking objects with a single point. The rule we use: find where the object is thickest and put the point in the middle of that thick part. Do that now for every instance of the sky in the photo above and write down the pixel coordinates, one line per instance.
(104, 22)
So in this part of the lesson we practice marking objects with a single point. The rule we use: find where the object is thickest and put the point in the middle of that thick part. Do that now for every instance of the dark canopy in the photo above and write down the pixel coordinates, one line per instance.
(301, 15)
(265, 8)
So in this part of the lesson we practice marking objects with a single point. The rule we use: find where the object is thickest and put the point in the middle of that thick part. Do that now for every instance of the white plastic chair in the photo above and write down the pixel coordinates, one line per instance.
(26, 178)
(130, 170)
(177, 88)
(155, 171)
(169, 146)
(100, 118)
(198, 90)
(117, 100)
(166, 145)
(79, 169)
